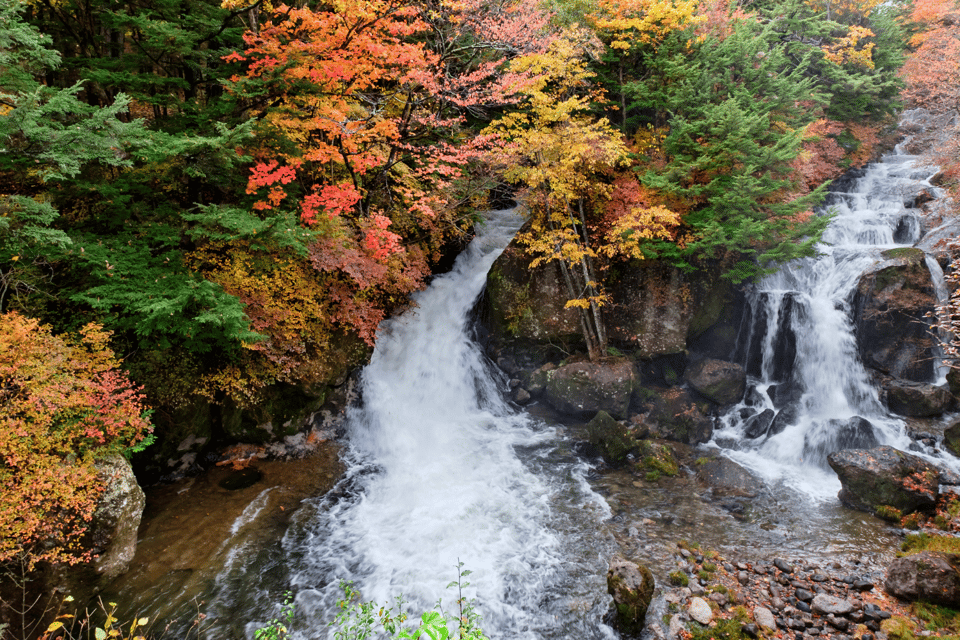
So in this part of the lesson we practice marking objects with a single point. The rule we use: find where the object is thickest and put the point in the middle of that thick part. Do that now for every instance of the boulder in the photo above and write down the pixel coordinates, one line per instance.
(891, 304)
(784, 418)
(764, 619)
(528, 303)
(884, 476)
(756, 426)
(916, 399)
(951, 438)
(729, 479)
(631, 586)
(588, 387)
(837, 435)
(718, 381)
(610, 438)
(825, 604)
(675, 414)
(113, 529)
(929, 575)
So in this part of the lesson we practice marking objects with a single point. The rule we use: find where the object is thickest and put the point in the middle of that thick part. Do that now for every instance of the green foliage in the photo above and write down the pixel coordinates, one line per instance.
(358, 620)
(725, 629)
(279, 628)
(916, 542)
(679, 579)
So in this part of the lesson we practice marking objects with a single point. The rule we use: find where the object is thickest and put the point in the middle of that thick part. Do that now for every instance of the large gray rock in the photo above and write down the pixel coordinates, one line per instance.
(929, 575)
(890, 313)
(825, 604)
(113, 529)
(916, 399)
(719, 381)
(951, 438)
(884, 476)
(729, 479)
(676, 414)
(631, 586)
(588, 387)
(700, 610)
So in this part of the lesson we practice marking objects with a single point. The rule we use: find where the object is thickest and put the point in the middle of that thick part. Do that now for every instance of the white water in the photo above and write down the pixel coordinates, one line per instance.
(813, 297)
(442, 470)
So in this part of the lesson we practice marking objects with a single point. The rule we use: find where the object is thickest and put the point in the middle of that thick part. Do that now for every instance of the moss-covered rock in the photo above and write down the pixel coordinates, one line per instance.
(584, 388)
(610, 438)
(886, 477)
(631, 586)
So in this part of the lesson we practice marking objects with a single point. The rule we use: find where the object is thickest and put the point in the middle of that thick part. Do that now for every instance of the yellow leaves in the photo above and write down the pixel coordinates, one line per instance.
(627, 233)
(626, 23)
(852, 49)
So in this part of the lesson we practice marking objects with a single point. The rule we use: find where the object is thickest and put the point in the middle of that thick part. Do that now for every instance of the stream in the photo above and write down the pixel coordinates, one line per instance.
(440, 469)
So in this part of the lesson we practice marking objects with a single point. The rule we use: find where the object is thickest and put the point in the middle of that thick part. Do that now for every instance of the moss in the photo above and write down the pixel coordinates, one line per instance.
(917, 542)
(704, 575)
(899, 628)
(709, 567)
(911, 521)
(891, 514)
(659, 458)
(910, 254)
(702, 461)
(936, 617)
(679, 578)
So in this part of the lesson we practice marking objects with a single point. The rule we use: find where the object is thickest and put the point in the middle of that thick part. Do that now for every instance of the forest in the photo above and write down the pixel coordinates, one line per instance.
(201, 202)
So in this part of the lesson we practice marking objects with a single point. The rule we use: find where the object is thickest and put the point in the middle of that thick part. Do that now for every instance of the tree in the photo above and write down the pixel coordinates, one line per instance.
(566, 160)
(63, 405)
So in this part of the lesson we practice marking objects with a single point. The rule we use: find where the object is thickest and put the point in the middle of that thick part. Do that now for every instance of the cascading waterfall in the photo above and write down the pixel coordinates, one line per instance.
(441, 471)
(808, 393)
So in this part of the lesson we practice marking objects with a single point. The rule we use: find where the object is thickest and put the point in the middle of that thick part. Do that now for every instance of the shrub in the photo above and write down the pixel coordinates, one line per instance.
(64, 405)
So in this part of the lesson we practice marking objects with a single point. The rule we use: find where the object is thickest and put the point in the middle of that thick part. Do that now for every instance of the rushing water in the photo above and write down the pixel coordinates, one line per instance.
(799, 346)
(443, 470)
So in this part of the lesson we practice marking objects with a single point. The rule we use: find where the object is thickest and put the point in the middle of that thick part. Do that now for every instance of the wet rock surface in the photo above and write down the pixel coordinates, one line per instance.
(584, 388)
(884, 476)
(929, 575)
(717, 380)
(631, 586)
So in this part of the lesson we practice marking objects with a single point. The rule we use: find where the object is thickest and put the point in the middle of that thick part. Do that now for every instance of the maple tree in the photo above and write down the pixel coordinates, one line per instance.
(63, 405)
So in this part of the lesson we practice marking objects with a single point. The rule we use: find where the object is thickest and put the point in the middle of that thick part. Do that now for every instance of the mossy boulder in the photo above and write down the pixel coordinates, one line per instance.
(891, 306)
(718, 381)
(584, 388)
(728, 479)
(951, 438)
(610, 438)
(884, 476)
(282, 411)
(917, 399)
(631, 586)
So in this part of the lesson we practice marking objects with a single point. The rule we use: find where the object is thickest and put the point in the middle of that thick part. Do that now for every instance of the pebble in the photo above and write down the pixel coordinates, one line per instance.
(685, 553)
(751, 630)
(764, 618)
(803, 606)
(863, 585)
(783, 565)
(743, 577)
(825, 604)
(700, 611)
(803, 595)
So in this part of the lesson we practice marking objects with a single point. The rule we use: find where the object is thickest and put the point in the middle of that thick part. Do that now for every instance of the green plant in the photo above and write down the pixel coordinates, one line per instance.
(709, 567)
(911, 521)
(916, 542)
(729, 629)
(679, 578)
(936, 617)
(279, 628)
(891, 514)
(358, 620)
(652, 476)
(704, 575)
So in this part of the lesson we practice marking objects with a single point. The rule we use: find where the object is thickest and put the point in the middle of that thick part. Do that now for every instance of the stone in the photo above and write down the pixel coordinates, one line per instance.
(917, 399)
(803, 595)
(884, 476)
(849, 433)
(783, 565)
(631, 586)
(610, 438)
(675, 628)
(675, 414)
(757, 425)
(584, 388)
(890, 307)
(764, 618)
(700, 611)
(719, 381)
(113, 529)
(826, 604)
(728, 479)
(929, 575)
(522, 396)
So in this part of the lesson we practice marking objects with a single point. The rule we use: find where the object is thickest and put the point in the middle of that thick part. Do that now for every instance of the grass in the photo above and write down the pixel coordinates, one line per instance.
(917, 542)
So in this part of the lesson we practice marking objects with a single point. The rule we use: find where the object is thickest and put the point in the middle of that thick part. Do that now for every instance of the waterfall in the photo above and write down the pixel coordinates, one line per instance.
(799, 347)
(443, 470)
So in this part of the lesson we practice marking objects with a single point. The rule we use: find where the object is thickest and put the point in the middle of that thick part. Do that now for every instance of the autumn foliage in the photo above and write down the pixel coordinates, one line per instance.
(63, 405)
